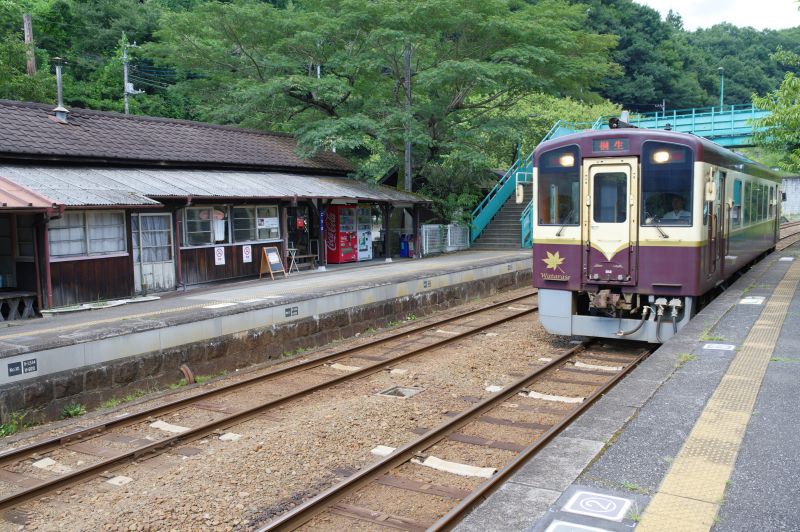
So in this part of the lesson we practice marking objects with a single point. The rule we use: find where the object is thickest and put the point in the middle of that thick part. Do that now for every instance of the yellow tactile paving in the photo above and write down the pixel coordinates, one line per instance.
(690, 495)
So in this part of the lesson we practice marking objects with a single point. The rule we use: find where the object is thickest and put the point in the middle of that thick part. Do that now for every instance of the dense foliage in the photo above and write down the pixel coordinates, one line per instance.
(489, 77)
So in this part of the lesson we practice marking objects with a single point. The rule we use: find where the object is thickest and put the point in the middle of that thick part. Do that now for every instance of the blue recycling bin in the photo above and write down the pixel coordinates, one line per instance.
(404, 245)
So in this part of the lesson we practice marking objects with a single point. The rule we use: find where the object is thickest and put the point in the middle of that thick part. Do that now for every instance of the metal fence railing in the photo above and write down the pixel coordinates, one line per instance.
(444, 238)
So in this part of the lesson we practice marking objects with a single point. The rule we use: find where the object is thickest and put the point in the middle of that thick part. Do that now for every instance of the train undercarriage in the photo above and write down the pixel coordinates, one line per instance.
(608, 313)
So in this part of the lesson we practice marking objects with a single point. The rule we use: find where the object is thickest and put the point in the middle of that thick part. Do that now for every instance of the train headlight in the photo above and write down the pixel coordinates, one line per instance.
(567, 160)
(661, 157)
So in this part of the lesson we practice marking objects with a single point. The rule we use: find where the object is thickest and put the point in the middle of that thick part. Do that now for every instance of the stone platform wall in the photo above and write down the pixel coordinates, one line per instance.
(46, 396)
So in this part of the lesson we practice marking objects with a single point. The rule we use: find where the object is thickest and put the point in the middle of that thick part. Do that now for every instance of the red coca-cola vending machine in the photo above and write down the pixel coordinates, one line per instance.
(341, 238)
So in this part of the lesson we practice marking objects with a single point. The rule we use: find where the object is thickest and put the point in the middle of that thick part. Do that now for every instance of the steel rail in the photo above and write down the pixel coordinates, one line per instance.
(58, 441)
(449, 520)
(305, 512)
(232, 419)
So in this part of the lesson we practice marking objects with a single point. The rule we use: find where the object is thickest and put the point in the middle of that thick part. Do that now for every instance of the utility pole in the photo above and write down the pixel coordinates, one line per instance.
(28, 29)
(407, 158)
(127, 87)
(125, 76)
(721, 71)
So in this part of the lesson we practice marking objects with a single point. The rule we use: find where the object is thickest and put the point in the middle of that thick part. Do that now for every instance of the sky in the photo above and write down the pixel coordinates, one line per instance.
(760, 14)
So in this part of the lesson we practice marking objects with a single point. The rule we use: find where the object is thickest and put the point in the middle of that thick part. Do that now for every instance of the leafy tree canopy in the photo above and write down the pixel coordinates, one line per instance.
(783, 135)
(333, 71)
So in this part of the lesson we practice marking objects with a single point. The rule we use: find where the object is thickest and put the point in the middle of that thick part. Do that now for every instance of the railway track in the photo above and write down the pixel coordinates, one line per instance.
(789, 234)
(419, 487)
(117, 442)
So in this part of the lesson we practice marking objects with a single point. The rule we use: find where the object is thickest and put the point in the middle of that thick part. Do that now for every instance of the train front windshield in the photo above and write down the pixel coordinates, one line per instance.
(559, 187)
(666, 184)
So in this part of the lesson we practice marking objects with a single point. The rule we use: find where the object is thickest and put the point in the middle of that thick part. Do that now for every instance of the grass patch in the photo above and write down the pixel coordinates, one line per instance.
(16, 423)
(784, 359)
(200, 379)
(630, 486)
(73, 410)
(411, 317)
(176, 385)
(683, 358)
(111, 403)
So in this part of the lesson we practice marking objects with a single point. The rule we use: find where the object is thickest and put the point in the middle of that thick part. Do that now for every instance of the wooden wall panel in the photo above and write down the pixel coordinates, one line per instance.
(84, 281)
(197, 264)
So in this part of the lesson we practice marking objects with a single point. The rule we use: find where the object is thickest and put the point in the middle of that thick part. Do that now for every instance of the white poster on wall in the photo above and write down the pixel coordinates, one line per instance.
(267, 223)
(219, 256)
(247, 254)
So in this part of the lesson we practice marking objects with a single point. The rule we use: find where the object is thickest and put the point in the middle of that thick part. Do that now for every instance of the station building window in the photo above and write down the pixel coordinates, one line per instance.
(83, 233)
(214, 225)
(559, 187)
(251, 224)
(667, 171)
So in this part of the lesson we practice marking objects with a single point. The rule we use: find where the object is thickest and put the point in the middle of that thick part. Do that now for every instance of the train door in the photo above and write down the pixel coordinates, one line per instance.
(610, 228)
(716, 217)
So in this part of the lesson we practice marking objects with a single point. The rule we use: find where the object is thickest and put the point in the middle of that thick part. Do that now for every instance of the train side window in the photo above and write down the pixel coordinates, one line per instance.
(736, 214)
(558, 186)
(771, 202)
(667, 177)
(748, 203)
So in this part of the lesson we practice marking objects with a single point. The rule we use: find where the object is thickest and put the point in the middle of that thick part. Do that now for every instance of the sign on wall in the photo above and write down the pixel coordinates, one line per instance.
(267, 223)
(219, 256)
(247, 254)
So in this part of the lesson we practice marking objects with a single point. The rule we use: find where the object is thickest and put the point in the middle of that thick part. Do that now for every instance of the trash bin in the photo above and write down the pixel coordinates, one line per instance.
(404, 245)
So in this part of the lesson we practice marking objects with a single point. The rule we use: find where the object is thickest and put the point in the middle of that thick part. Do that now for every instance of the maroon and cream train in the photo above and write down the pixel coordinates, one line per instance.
(633, 227)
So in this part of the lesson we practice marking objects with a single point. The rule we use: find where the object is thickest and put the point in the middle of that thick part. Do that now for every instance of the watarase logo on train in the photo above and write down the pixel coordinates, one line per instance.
(554, 262)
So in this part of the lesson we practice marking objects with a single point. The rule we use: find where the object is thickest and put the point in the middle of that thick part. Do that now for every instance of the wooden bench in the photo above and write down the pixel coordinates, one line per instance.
(10, 305)
(297, 258)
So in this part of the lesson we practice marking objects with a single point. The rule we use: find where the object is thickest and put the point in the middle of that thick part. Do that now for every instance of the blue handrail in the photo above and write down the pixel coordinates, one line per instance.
(497, 197)
(526, 221)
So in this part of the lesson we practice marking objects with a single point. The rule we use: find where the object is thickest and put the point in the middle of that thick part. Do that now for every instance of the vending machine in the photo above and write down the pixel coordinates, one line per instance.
(364, 233)
(341, 241)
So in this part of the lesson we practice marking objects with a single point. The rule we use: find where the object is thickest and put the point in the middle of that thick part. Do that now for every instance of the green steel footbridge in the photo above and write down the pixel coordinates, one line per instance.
(731, 126)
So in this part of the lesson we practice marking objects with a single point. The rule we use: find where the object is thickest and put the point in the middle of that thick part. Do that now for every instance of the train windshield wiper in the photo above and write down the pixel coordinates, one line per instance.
(566, 221)
(650, 219)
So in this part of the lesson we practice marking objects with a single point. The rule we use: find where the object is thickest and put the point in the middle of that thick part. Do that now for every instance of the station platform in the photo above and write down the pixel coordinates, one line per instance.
(701, 436)
(66, 356)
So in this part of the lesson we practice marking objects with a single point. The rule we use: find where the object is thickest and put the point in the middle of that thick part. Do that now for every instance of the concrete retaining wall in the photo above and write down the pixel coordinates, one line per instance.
(92, 384)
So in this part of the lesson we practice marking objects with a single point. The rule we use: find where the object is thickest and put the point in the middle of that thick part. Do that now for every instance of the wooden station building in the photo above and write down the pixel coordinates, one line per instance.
(100, 205)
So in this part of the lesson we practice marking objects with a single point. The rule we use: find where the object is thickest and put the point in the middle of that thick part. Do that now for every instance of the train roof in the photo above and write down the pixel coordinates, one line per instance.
(704, 149)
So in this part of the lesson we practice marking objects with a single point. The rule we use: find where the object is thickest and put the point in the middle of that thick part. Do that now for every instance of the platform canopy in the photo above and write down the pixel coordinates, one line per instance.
(87, 186)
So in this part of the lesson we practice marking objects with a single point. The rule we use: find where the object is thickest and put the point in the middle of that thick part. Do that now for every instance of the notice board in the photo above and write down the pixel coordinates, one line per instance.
(271, 262)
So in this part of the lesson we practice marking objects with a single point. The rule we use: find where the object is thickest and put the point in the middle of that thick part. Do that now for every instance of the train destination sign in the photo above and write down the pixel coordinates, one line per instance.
(610, 145)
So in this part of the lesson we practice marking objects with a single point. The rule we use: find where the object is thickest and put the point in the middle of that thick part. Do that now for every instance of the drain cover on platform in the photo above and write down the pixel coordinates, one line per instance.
(598, 505)
(403, 392)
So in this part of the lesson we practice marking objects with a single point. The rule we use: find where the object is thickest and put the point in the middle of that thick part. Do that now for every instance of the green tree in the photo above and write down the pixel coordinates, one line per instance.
(658, 62)
(782, 126)
(15, 84)
(333, 71)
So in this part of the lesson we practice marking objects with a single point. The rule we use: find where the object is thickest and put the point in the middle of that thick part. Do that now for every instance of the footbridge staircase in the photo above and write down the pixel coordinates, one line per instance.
(731, 126)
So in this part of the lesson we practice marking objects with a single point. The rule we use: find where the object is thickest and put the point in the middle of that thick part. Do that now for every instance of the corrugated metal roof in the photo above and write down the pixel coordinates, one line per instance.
(12, 195)
(93, 186)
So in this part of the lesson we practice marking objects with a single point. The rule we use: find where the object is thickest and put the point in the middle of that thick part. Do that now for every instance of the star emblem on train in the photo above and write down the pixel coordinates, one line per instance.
(554, 260)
